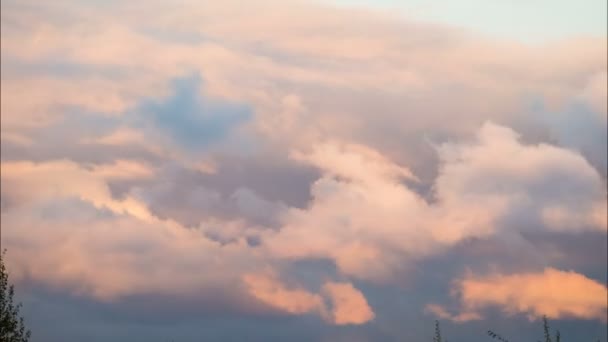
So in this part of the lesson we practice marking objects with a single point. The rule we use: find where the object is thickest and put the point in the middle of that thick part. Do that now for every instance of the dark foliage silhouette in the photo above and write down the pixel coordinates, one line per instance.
(12, 326)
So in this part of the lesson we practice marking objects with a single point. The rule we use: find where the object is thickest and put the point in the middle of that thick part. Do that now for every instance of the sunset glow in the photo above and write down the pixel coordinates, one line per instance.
(269, 170)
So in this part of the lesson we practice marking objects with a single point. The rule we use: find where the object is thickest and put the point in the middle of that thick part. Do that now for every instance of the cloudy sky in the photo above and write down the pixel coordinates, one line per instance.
(283, 170)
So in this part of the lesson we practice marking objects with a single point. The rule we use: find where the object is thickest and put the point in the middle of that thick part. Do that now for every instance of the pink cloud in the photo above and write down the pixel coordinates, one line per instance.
(366, 219)
(348, 93)
(268, 289)
(554, 293)
(347, 305)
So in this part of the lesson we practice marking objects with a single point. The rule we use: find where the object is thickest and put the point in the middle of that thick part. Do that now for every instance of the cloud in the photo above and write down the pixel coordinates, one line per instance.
(347, 304)
(594, 94)
(108, 256)
(355, 162)
(554, 293)
(565, 126)
(189, 196)
(152, 149)
(440, 312)
(89, 243)
(369, 222)
(25, 182)
(366, 219)
(270, 291)
(527, 185)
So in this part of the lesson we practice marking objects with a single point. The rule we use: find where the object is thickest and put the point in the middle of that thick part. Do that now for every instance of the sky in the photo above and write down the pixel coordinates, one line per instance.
(330, 170)
(532, 21)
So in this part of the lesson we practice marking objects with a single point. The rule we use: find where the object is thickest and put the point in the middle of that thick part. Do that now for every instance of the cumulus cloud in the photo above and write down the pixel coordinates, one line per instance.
(79, 238)
(366, 219)
(554, 293)
(122, 175)
(72, 246)
(369, 222)
(527, 185)
(347, 304)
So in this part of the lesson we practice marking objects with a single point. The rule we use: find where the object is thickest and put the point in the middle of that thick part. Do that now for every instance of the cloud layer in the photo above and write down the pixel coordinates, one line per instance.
(298, 160)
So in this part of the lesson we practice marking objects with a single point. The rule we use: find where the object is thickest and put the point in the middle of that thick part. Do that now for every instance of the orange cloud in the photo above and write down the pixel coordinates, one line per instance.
(554, 293)
(26, 182)
(348, 305)
(441, 312)
(268, 289)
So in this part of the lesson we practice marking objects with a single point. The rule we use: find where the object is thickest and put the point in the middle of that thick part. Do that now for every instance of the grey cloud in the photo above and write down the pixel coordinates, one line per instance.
(256, 190)
(580, 128)
(83, 153)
